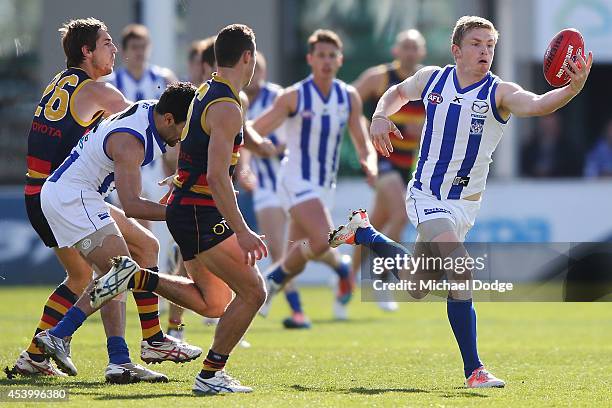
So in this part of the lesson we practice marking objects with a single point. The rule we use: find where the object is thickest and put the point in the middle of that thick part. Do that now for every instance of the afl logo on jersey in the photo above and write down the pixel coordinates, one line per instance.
(435, 98)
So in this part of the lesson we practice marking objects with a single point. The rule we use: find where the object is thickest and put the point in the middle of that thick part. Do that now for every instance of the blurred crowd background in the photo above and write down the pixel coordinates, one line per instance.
(574, 142)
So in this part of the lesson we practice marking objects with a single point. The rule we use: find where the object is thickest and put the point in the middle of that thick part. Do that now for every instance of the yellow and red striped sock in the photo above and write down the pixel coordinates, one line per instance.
(146, 279)
(56, 307)
(148, 312)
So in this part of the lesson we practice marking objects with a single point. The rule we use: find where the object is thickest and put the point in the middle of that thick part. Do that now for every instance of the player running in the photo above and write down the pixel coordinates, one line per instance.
(316, 111)
(271, 217)
(467, 108)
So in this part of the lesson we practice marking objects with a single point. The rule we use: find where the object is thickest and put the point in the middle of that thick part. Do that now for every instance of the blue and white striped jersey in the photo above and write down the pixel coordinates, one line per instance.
(462, 129)
(88, 167)
(150, 86)
(315, 131)
(266, 169)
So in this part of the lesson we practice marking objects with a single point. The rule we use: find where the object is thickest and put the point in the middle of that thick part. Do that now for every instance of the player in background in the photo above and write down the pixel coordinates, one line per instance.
(467, 108)
(72, 103)
(194, 62)
(271, 217)
(218, 248)
(394, 172)
(316, 111)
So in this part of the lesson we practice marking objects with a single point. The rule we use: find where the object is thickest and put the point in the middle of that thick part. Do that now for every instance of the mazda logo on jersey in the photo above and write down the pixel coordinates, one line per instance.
(435, 98)
(480, 107)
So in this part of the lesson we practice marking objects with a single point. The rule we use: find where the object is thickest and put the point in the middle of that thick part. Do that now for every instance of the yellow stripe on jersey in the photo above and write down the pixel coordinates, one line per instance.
(222, 99)
(235, 157)
(218, 78)
(200, 189)
(34, 174)
(73, 111)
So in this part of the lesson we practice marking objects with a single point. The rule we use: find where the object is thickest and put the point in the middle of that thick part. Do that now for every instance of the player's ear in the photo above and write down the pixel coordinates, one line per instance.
(309, 58)
(394, 51)
(246, 56)
(169, 119)
(86, 50)
(456, 51)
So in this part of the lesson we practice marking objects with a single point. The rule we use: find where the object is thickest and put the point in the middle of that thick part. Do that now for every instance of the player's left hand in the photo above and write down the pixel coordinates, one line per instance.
(578, 71)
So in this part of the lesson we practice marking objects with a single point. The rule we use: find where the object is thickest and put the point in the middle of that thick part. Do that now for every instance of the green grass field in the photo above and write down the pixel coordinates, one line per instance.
(550, 354)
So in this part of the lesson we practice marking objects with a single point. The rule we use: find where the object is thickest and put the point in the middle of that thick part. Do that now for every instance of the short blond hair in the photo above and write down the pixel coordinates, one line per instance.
(467, 23)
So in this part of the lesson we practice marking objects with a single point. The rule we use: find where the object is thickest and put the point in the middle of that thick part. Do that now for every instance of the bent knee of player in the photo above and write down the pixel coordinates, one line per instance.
(319, 246)
(418, 293)
(146, 250)
(215, 308)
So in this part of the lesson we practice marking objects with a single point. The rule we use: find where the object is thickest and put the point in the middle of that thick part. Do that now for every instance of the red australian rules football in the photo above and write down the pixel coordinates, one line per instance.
(566, 44)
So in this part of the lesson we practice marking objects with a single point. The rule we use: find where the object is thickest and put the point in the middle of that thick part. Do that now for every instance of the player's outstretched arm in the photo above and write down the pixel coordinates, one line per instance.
(359, 136)
(224, 119)
(273, 117)
(512, 99)
(127, 152)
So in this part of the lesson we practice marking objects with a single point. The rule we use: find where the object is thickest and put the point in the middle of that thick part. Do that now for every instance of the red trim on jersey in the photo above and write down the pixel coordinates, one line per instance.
(39, 165)
(198, 201)
(32, 190)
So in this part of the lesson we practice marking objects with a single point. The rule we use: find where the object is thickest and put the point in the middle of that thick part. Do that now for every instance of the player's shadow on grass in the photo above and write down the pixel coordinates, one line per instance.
(358, 390)
(464, 393)
(52, 382)
(106, 397)
(351, 321)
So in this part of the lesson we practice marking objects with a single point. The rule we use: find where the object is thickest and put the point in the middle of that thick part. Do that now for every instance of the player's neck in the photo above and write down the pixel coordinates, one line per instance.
(404, 71)
(90, 70)
(467, 77)
(323, 84)
(231, 75)
(135, 71)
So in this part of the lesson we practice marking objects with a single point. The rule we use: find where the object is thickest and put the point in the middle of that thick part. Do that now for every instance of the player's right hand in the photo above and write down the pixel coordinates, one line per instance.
(252, 246)
(379, 132)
